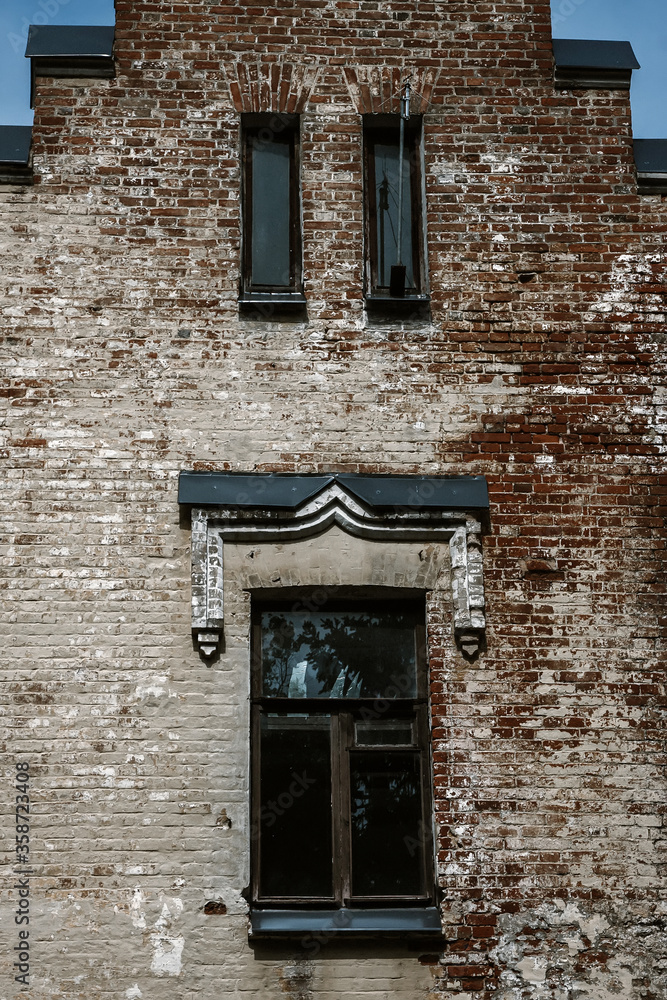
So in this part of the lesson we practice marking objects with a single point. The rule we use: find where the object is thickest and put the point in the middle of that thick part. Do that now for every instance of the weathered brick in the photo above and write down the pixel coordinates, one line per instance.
(541, 366)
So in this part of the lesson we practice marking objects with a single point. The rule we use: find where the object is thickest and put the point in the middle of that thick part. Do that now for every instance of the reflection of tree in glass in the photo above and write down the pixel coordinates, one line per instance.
(385, 814)
(372, 806)
(345, 654)
(387, 204)
(278, 639)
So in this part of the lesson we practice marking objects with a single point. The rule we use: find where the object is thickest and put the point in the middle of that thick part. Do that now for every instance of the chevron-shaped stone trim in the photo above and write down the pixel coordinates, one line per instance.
(211, 527)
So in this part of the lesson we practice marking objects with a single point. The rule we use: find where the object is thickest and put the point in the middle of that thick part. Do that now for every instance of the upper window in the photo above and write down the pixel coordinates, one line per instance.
(271, 205)
(341, 786)
(394, 207)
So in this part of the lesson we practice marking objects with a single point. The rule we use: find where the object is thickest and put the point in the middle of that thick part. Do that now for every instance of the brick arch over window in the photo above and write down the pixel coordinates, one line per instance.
(228, 507)
(377, 89)
(261, 87)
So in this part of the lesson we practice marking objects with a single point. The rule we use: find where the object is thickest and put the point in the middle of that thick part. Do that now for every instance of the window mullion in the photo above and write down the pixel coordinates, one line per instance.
(256, 800)
(341, 727)
(295, 212)
(426, 769)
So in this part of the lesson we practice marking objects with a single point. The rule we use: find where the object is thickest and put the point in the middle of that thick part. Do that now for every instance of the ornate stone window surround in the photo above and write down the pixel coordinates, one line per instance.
(273, 508)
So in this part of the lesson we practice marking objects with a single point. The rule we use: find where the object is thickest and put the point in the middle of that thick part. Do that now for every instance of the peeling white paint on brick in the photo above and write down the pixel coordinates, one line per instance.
(137, 912)
(533, 969)
(167, 947)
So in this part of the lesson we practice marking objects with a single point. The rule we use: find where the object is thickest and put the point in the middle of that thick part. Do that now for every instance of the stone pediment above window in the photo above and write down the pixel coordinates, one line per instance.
(284, 508)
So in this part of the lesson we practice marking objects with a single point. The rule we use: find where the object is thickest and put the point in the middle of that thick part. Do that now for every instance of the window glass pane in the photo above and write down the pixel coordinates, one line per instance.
(270, 240)
(387, 835)
(295, 815)
(384, 733)
(341, 654)
(386, 208)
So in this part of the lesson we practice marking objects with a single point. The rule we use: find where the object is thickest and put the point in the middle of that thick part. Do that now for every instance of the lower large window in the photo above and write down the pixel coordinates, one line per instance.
(341, 772)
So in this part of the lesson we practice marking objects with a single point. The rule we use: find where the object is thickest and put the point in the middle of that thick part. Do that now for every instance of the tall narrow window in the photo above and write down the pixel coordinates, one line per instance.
(394, 207)
(341, 786)
(271, 207)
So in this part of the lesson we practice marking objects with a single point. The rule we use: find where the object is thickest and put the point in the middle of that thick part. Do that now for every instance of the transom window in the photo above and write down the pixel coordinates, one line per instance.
(341, 774)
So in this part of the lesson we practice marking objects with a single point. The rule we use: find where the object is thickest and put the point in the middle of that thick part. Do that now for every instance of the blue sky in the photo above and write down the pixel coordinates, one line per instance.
(642, 22)
(15, 16)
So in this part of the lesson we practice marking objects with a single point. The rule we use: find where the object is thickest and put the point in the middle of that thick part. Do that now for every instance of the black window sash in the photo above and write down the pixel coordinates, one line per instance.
(417, 849)
(345, 713)
(415, 609)
(257, 132)
(384, 134)
(418, 846)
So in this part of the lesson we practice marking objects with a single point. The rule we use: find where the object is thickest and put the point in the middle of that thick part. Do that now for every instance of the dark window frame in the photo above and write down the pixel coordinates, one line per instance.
(384, 128)
(255, 130)
(344, 712)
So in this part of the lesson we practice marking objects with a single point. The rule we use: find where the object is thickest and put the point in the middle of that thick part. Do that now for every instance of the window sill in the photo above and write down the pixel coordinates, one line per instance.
(346, 923)
(407, 306)
(268, 300)
(420, 297)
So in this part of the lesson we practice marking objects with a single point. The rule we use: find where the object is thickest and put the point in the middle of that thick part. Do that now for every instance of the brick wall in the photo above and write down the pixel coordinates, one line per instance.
(541, 367)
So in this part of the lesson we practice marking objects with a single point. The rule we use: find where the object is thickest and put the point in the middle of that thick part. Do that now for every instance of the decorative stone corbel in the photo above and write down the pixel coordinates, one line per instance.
(468, 588)
(207, 582)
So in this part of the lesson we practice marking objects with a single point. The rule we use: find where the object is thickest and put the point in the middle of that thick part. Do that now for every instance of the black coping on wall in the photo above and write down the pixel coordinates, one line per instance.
(70, 50)
(391, 921)
(15, 143)
(69, 40)
(589, 63)
(289, 491)
(651, 162)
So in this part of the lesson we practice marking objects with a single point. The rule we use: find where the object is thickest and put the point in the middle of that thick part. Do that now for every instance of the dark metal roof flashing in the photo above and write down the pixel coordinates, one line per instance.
(651, 161)
(288, 491)
(584, 64)
(15, 154)
(70, 51)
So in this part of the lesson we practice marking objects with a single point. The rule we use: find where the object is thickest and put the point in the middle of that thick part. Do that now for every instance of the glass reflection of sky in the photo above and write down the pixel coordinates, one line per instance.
(386, 195)
(270, 213)
(340, 654)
